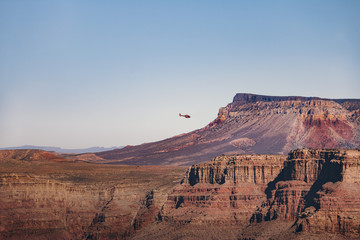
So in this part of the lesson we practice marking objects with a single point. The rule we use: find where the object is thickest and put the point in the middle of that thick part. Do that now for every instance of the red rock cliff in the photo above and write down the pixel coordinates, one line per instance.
(225, 190)
(317, 190)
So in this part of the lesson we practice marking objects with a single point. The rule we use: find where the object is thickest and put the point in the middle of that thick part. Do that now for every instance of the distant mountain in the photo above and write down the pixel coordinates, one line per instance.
(62, 150)
(254, 124)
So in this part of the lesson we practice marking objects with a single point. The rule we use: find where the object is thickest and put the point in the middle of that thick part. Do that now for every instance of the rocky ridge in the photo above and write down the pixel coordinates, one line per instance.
(254, 124)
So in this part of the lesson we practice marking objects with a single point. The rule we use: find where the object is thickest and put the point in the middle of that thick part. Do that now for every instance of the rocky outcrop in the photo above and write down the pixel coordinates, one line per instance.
(253, 124)
(316, 191)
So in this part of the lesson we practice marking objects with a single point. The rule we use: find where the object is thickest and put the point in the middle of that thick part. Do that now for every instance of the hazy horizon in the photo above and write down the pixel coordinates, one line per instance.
(78, 74)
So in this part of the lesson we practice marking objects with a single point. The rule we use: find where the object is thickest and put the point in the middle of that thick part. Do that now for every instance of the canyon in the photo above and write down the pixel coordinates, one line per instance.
(307, 194)
(251, 124)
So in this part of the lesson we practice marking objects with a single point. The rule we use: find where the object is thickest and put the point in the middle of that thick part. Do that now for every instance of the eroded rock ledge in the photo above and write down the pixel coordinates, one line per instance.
(318, 190)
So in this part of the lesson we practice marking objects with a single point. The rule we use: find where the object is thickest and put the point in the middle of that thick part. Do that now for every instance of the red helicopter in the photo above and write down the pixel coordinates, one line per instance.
(185, 116)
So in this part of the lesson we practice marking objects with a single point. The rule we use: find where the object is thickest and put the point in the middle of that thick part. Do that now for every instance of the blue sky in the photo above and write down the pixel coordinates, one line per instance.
(110, 73)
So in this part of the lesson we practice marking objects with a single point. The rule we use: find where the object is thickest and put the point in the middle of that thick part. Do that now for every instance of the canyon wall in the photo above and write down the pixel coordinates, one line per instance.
(316, 191)
(320, 189)
(225, 190)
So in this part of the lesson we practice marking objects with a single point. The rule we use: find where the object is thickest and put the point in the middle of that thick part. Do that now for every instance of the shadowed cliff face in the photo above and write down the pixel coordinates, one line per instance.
(309, 194)
(253, 124)
(320, 189)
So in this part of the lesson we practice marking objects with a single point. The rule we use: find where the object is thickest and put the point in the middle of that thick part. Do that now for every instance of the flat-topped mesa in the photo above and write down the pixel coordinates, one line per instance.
(309, 110)
(251, 98)
(291, 122)
(303, 107)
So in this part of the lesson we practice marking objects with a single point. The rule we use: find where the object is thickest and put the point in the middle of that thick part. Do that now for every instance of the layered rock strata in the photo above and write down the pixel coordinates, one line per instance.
(226, 190)
(320, 189)
(317, 191)
(333, 201)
